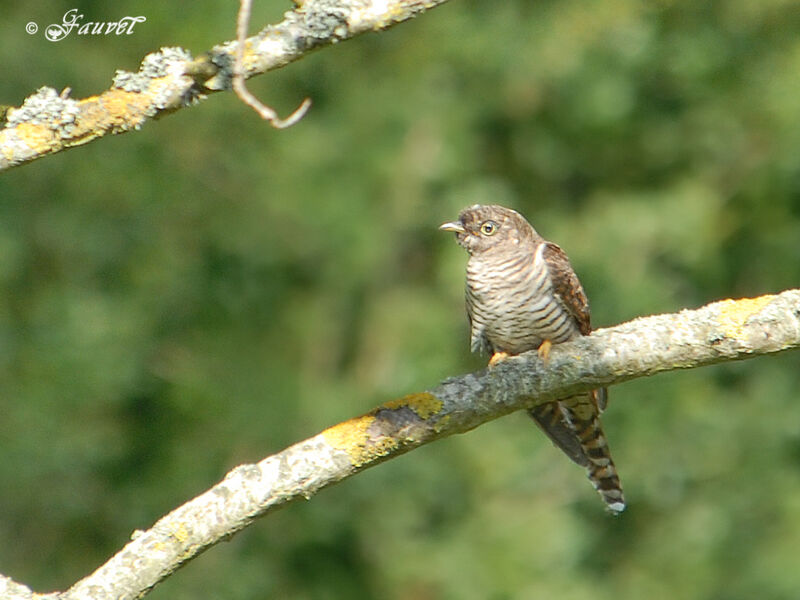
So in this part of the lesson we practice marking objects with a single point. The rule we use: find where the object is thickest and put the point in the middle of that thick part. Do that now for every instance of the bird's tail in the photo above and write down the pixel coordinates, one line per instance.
(574, 426)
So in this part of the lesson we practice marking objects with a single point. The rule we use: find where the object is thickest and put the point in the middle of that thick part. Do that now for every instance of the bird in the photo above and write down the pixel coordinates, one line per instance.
(523, 294)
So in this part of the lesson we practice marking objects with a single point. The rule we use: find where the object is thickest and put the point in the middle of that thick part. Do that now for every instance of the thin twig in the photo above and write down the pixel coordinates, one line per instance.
(239, 86)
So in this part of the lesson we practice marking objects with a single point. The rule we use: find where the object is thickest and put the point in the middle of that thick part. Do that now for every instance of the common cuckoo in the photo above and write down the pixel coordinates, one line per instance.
(522, 294)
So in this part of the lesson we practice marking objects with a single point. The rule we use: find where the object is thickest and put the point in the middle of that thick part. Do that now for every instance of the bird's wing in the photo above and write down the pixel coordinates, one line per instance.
(551, 421)
(567, 286)
(478, 342)
(579, 432)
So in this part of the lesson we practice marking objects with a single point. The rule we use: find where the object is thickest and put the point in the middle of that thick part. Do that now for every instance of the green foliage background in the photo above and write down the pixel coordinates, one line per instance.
(206, 291)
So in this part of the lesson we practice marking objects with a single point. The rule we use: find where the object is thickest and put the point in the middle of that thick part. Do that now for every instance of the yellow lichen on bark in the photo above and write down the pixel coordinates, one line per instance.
(362, 443)
(115, 110)
(180, 533)
(352, 436)
(123, 109)
(348, 433)
(423, 404)
(733, 314)
(36, 136)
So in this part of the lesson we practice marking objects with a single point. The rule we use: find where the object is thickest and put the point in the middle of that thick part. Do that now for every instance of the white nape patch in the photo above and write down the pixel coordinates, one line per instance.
(538, 258)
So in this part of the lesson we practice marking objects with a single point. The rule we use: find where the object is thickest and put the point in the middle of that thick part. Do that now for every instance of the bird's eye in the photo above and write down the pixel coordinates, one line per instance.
(488, 228)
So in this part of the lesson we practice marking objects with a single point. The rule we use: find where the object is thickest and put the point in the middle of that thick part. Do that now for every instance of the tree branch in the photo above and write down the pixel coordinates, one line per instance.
(723, 331)
(170, 79)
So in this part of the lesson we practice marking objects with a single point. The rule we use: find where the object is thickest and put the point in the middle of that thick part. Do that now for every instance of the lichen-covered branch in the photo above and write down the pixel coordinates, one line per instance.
(171, 79)
(723, 331)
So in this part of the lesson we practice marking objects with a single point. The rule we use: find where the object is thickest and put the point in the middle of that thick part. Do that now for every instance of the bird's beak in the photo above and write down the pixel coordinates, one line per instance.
(455, 226)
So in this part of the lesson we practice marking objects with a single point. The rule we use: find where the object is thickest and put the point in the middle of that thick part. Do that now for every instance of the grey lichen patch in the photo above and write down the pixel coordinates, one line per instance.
(312, 24)
(167, 61)
(323, 20)
(45, 107)
(130, 82)
(163, 79)
(273, 47)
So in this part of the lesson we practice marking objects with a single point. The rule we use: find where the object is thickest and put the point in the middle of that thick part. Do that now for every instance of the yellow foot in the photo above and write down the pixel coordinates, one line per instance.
(497, 357)
(544, 350)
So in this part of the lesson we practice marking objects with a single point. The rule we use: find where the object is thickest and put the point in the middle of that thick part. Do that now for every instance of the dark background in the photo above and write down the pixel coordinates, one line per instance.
(207, 291)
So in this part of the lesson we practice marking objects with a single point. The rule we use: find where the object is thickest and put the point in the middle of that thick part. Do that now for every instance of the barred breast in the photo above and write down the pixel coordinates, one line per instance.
(511, 304)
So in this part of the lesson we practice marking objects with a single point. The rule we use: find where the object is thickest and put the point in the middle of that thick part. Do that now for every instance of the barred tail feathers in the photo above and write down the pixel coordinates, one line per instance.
(581, 412)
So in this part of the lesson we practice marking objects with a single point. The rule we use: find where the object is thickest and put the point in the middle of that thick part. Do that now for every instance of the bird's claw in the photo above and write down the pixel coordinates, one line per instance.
(544, 350)
(497, 357)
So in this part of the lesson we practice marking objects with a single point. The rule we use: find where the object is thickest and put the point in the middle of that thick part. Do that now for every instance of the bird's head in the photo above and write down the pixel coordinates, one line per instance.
(483, 228)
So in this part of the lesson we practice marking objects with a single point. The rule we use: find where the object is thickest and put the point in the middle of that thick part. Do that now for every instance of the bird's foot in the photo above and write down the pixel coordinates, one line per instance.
(544, 350)
(497, 357)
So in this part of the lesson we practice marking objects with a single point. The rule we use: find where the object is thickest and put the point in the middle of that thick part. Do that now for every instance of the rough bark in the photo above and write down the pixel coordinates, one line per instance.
(724, 331)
